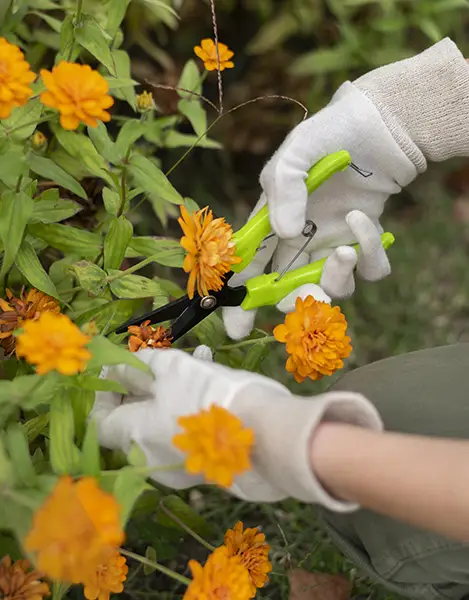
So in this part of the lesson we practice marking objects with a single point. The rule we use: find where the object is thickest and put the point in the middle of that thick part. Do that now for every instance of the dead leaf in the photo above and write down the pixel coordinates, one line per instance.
(318, 586)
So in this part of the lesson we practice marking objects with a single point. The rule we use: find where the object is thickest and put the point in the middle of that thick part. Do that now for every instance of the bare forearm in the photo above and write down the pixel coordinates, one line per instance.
(423, 481)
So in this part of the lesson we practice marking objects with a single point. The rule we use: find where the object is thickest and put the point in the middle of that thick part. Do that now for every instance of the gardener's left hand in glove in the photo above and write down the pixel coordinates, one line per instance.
(283, 424)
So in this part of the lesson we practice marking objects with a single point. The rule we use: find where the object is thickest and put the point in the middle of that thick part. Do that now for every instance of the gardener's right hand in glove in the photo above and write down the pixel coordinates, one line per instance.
(391, 121)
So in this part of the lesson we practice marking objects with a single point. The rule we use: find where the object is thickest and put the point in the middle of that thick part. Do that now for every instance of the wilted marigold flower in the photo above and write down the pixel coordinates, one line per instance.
(207, 52)
(75, 530)
(15, 310)
(144, 336)
(15, 77)
(18, 582)
(145, 101)
(249, 545)
(108, 578)
(210, 251)
(315, 338)
(223, 577)
(78, 92)
(216, 444)
(53, 342)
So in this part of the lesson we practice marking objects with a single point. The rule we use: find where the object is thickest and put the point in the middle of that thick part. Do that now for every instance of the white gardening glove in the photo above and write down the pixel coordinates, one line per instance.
(183, 385)
(389, 129)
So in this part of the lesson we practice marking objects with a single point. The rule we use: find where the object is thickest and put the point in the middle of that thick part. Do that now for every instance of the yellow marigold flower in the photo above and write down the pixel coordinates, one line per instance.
(144, 336)
(209, 250)
(78, 92)
(15, 77)
(145, 101)
(223, 577)
(216, 443)
(207, 52)
(108, 577)
(18, 582)
(53, 342)
(315, 338)
(75, 529)
(249, 545)
(15, 310)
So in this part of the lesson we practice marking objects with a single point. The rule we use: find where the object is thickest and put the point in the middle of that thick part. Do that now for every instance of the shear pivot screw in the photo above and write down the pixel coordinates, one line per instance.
(208, 302)
(309, 228)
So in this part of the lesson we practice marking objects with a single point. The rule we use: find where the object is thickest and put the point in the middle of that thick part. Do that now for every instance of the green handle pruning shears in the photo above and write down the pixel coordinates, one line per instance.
(263, 290)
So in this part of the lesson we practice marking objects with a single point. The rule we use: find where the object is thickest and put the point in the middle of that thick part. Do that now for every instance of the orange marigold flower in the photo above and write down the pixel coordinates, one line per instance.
(108, 577)
(223, 577)
(74, 530)
(53, 342)
(216, 443)
(15, 77)
(15, 310)
(78, 92)
(18, 582)
(207, 52)
(315, 338)
(144, 336)
(249, 545)
(209, 250)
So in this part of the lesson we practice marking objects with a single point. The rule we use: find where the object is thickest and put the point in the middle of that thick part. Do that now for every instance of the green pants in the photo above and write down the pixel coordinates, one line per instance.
(426, 393)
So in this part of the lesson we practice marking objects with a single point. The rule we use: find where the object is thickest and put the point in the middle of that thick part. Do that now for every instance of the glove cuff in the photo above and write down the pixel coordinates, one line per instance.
(284, 428)
(424, 101)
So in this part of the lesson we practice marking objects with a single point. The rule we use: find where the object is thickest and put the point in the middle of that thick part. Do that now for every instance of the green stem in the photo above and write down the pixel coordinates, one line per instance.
(150, 470)
(123, 185)
(136, 267)
(266, 340)
(186, 528)
(156, 566)
(76, 23)
(19, 499)
(28, 124)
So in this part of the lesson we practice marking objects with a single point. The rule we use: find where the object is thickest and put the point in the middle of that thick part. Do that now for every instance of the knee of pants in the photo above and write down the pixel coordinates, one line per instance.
(424, 392)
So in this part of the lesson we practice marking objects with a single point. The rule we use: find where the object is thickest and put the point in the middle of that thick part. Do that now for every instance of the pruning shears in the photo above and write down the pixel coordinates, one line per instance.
(263, 290)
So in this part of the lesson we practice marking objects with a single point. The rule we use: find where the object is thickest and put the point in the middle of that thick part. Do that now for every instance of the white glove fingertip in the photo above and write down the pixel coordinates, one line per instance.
(203, 352)
(337, 275)
(288, 303)
(373, 263)
(238, 322)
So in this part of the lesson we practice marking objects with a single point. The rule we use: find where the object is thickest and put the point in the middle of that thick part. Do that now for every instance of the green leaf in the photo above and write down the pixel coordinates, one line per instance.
(83, 150)
(29, 391)
(190, 79)
(325, 60)
(176, 139)
(23, 120)
(12, 166)
(18, 449)
(134, 286)
(166, 251)
(128, 135)
(430, 29)
(97, 384)
(94, 39)
(82, 401)
(90, 461)
(49, 170)
(35, 426)
(184, 513)
(123, 82)
(67, 38)
(64, 455)
(255, 356)
(49, 209)
(106, 353)
(68, 240)
(103, 143)
(29, 266)
(112, 201)
(150, 553)
(53, 23)
(6, 468)
(273, 33)
(116, 10)
(90, 277)
(15, 212)
(128, 487)
(152, 179)
(116, 242)
(192, 109)
(210, 331)
(136, 456)
(107, 315)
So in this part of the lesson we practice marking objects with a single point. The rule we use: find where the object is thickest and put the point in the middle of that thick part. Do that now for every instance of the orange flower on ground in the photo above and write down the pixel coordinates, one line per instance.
(216, 444)
(144, 336)
(15, 310)
(75, 530)
(249, 545)
(315, 338)
(108, 578)
(53, 342)
(223, 577)
(18, 582)
(15, 78)
(78, 92)
(207, 52)
(210, 252)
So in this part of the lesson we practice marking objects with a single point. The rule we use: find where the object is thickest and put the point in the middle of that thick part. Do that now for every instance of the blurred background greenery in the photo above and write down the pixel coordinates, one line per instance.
(305, 49)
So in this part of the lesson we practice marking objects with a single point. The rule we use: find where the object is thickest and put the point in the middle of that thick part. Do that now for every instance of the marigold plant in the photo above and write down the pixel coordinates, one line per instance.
(216, 443)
